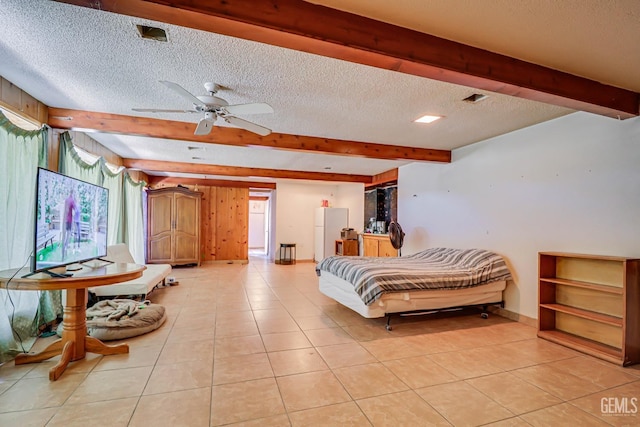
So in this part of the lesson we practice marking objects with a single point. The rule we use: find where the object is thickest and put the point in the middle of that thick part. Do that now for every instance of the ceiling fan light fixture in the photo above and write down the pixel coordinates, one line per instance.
(204, 127)
(213, 107)
(427, 119)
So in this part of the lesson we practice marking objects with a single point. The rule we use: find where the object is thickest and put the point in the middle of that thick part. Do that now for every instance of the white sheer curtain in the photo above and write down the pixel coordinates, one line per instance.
(114, 182)
(21, 153)
(134, 235)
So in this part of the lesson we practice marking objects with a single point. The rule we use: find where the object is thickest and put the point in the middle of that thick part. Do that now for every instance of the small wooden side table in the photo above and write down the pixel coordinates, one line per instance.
(347, 247)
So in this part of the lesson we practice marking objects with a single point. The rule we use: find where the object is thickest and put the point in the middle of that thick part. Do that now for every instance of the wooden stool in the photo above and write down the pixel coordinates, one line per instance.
(287, 253)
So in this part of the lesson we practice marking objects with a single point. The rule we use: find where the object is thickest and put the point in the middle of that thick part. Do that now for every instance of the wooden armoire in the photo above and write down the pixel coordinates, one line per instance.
(173, 226)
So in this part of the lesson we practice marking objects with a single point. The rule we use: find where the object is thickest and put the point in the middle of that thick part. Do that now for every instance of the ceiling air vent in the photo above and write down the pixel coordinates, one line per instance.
(152, 33)
(476, 97)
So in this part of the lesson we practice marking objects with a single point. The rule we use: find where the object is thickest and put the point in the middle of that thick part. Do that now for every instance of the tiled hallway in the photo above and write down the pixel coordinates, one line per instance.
(258, 345)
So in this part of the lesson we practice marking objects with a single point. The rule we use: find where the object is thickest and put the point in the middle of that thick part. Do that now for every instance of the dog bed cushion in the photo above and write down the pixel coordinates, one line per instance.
(117, 319)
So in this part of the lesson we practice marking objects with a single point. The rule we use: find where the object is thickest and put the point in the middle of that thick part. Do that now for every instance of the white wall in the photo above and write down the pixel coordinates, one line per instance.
(295, 206)
(571, 184)
(351, 196)
(272, 215)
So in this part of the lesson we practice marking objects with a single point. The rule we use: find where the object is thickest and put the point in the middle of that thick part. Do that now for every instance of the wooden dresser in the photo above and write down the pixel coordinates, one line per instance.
(591, 304)
(378, 245)
(173, 216)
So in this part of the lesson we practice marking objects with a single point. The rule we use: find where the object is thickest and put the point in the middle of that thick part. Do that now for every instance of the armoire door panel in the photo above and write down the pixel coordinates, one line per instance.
(187, 214)
(160, 214)
(160, 249)
(186, 248)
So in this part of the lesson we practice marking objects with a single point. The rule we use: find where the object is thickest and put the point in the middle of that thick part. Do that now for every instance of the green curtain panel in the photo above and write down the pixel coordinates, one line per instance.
(72, 165)
(21, 312)
(115, 224)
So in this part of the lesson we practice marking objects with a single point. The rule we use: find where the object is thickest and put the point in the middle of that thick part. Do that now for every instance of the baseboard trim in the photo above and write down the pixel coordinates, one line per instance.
(295, 261)
(529, 321)
(226, 261)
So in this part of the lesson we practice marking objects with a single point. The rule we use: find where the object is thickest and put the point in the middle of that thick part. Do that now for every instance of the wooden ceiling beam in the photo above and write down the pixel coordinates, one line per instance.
(207, 169)
(205, 182)
(389, 176)
(62, 118)
(300, 25)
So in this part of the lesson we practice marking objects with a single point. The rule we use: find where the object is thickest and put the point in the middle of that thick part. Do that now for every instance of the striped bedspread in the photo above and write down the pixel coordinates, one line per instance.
(436, 268)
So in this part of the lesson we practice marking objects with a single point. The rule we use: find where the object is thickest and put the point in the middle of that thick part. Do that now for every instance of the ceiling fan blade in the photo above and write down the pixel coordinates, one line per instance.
(182, 92)
(251, 127)
(253, 108)
(204, 127)
(156, 110)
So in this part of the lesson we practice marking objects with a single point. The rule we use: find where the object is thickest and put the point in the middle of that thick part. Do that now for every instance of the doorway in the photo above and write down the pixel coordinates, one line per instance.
(259, 208)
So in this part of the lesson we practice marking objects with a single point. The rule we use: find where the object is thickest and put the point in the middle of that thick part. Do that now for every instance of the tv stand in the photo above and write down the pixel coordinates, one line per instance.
(49, 272)
(93, 263)
(75, 342)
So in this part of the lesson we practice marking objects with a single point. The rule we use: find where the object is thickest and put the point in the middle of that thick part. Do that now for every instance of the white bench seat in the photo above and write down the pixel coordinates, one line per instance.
(154, 275)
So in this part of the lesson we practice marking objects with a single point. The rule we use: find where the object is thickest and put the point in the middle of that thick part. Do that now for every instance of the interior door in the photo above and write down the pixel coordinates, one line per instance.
(257, 224)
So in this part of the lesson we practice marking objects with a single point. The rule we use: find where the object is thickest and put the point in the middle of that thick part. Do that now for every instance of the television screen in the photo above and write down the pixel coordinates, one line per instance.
(71, 221)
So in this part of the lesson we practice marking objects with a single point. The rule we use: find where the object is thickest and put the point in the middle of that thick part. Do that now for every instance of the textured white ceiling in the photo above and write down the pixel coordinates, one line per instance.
(597, 39)
(74, 57)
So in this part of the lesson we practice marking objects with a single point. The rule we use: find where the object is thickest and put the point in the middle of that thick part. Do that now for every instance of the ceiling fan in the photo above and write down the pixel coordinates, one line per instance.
(214, 107)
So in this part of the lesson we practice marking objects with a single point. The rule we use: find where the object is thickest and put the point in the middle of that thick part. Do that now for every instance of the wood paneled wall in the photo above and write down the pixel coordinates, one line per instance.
(21, 103)
(224, 227)
(53, 149)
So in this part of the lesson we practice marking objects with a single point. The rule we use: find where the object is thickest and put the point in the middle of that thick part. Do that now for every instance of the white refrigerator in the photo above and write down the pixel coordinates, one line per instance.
(329, 222)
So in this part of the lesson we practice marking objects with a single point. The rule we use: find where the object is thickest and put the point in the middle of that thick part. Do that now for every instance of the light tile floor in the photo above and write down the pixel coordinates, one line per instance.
(258, 345)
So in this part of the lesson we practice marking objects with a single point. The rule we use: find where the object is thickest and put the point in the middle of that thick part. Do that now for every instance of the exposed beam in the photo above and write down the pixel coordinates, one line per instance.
(299, 25)
(381, 178)
(175, 180)
(206, 169)
(62, 118)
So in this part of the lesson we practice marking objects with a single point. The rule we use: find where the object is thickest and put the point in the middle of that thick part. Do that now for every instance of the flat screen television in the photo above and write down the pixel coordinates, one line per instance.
(70, 221)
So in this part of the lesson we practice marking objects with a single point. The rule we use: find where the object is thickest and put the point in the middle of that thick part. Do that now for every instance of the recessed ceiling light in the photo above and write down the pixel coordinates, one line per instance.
(427, 119)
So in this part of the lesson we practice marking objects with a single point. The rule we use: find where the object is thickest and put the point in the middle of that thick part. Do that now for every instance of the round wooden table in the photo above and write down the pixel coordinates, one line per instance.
(75, 342)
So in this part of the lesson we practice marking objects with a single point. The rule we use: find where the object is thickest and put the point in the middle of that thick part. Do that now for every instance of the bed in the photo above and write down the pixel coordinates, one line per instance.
(431, 280)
